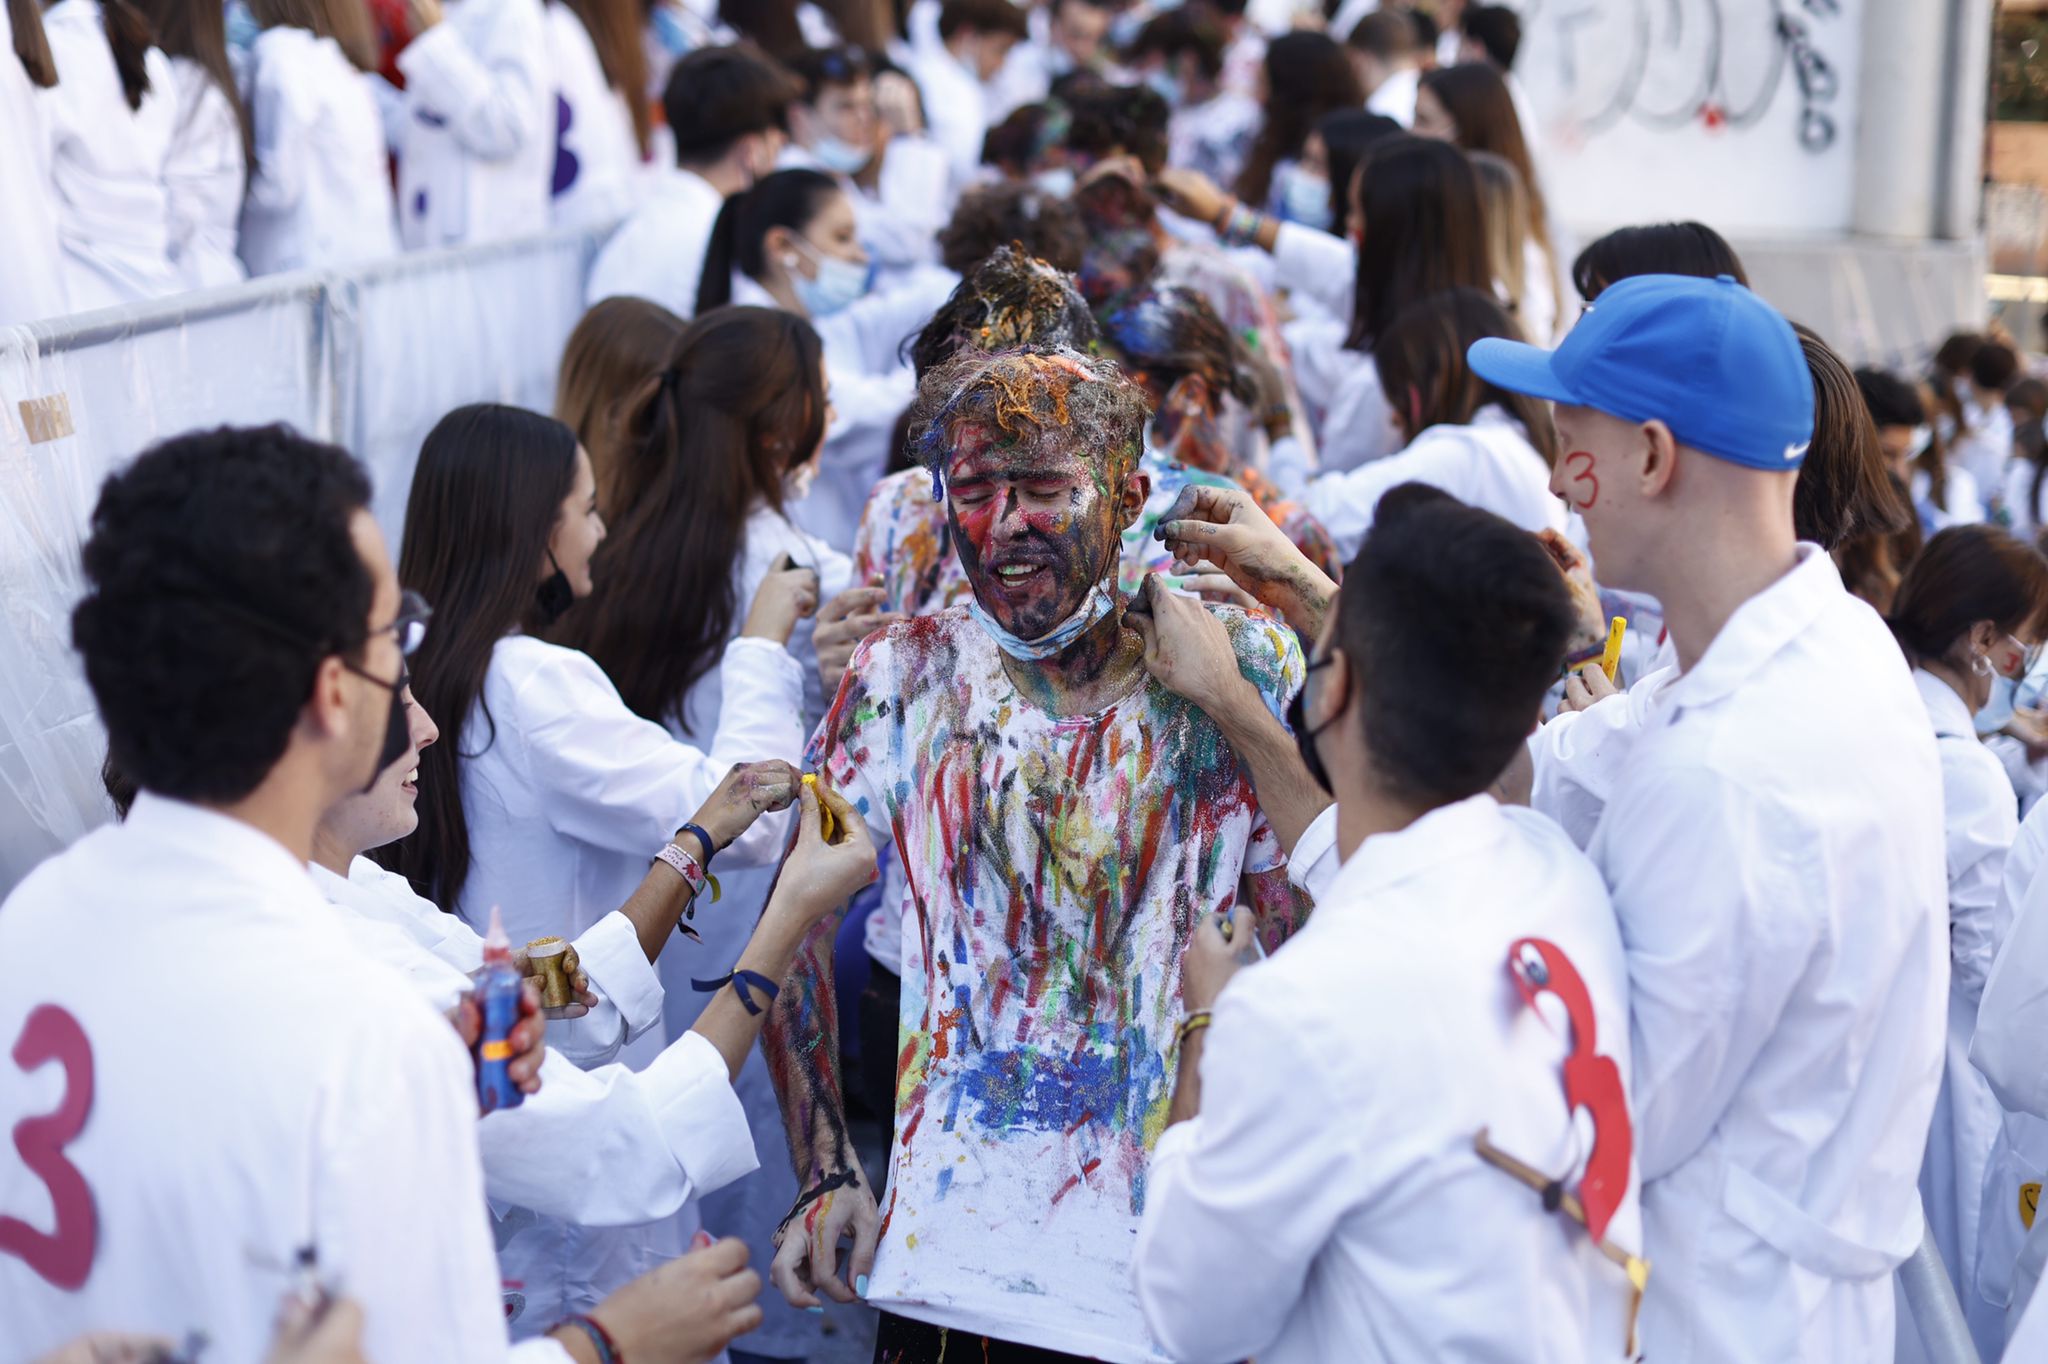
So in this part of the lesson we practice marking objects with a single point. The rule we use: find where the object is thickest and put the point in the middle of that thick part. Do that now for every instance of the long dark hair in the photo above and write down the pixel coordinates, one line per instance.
(31, 44)
(485, 498)
(1966, 574)
(2027, 400)
(1844, 489)
(1307, 76)
(1425, 231)
(348, 22)
(1428, 381)
(788, 198)
(1478, 101)
(771, 24)
(1347, 136)
(129, 37)
(741, 403)
(614, 27)
(197, 30)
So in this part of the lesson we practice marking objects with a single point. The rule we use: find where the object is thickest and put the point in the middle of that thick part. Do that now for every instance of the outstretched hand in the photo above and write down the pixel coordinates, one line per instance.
(1226, 528)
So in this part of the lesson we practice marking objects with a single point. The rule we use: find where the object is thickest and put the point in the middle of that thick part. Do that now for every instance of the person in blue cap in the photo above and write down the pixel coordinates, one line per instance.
(1772, 840)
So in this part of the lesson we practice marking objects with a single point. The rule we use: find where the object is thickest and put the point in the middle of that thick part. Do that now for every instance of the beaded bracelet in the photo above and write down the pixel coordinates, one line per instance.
(600, 1339)
(1240, 227)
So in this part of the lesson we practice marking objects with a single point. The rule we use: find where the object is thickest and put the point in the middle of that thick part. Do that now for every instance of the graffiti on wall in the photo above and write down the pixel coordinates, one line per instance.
(1720, 64)
(1741, 112)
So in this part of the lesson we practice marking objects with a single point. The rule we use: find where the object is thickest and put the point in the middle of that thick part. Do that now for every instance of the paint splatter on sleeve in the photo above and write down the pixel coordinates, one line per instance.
(902, 541)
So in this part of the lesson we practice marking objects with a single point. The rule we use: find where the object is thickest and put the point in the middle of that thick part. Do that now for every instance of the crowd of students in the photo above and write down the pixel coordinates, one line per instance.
(1047, 505)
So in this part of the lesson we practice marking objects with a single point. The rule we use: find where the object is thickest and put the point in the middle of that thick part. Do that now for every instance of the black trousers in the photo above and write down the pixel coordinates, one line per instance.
(899, 1340)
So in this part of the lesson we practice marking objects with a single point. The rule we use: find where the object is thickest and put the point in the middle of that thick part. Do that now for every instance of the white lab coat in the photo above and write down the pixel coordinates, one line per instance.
(1319, 272)
(478, 150)
(1332, 1167)
(753, 1208)
(32, 286)
(1352, 420)
(310, 1098)
(1774, 849)
(573, 795)
(1965, 503)
(2006, 1051)
(320, 194)
(108, 163)
(658, 253)
(204, 177)
(1488, 464)
(1984, 445)
(596, 174)
(1981, 821)
(958, 106)
(871, 384)
(597, 1151)
(1395, 97)
(1579, 757)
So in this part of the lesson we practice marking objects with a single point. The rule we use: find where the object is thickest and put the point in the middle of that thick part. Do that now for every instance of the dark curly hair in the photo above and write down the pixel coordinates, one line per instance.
(220, 572)
(993, 216)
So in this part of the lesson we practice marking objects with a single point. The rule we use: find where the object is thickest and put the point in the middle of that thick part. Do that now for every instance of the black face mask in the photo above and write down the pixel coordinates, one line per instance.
(1304, 737)
(397, 734)
(554, 594)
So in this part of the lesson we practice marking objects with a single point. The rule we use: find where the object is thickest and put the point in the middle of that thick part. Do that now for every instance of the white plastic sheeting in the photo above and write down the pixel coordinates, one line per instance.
(369, 359)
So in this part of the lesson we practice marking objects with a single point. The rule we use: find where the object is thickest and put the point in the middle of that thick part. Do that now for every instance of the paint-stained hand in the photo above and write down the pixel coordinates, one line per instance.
(528, 1039)
(688, 1309)
(335, 1338)
(784, 597)
(843, 623)
(823, 874)
(1586, 687)
(1190, 194)
(807, 1245)
(1188, 649)
(1226, 528)
(579, 981)
(749, 791)
(1212, 958)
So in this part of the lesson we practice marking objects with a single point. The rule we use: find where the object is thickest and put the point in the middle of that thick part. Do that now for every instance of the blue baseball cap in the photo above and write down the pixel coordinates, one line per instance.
(1706, 357)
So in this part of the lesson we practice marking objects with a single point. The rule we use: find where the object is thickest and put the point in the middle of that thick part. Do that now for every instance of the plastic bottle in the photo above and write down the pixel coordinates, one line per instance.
(497, 997)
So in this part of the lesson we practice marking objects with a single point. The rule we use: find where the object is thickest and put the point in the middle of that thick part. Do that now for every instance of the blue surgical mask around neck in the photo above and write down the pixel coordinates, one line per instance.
(1099, 603)
(843, 157)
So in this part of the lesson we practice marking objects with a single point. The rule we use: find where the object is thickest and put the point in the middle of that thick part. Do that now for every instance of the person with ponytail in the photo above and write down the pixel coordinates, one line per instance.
(477, 152)
(606, 120)
(1973, 608)
(110, 119)
(620, 344)
(714, 448)
(320, 188)
(32, 285)
(791, 242)
(210, 146)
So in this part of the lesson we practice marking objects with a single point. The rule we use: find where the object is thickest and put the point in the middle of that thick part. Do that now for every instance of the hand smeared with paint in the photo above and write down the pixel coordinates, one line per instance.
(1589, 635)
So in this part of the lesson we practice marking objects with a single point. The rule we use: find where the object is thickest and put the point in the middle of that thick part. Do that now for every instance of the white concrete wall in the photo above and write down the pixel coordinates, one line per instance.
(1740, 113)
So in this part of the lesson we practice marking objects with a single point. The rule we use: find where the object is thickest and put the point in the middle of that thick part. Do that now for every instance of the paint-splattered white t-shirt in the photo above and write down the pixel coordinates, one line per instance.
(1056, 868)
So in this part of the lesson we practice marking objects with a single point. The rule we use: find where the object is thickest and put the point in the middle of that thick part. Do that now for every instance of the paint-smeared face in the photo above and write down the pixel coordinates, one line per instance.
(1036, 523)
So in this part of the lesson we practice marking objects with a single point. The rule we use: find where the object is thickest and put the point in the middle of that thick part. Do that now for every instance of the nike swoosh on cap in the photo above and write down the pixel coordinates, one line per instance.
(1793, 452)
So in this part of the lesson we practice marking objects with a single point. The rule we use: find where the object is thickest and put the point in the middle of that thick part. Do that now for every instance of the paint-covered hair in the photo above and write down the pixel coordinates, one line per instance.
(1033, 390)
(1008, 301)
(1164, 333)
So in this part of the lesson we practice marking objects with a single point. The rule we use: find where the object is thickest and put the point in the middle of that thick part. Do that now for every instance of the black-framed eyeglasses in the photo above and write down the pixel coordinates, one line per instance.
(409, 626)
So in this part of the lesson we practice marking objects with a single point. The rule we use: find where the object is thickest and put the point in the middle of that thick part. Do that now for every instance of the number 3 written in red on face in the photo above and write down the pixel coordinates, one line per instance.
(1581, 485)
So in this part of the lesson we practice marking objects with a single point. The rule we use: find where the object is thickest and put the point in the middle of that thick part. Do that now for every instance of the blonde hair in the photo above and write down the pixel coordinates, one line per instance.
(1504, 201)
(620, 344)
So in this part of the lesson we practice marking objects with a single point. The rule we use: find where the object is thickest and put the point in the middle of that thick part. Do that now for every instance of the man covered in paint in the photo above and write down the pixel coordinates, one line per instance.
(1064, 821)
